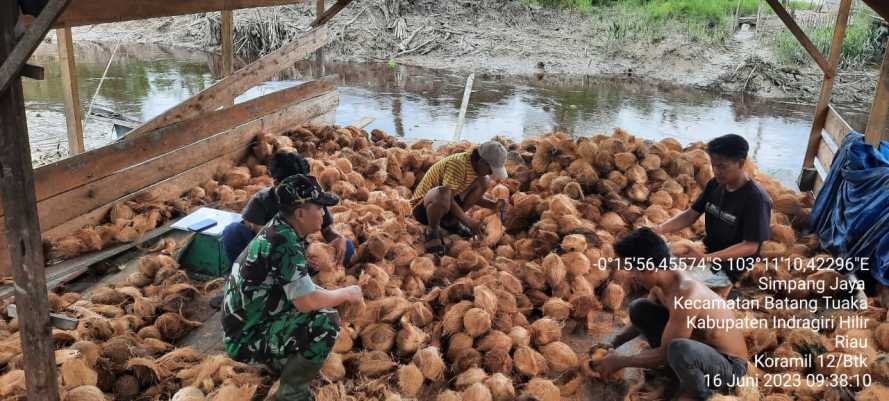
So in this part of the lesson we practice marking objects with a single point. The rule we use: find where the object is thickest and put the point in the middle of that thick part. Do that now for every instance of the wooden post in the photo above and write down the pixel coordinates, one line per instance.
(807, 179)
(23, 240)
(228, 17)
(21, 50)
(319, 54)
(73, 114)
(879, 109)
(466, 92)
(801, 36)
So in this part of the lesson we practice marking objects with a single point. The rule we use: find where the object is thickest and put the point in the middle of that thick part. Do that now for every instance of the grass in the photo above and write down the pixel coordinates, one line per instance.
(862, 44)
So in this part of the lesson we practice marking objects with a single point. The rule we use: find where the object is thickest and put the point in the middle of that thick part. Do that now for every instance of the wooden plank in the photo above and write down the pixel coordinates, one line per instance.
(253, 74)
(825, 155)
(228, 17)
(801, 37)
(363, 122)
(32, 71)
(467, 91)
(836, 126)
(71, 204)
(22, 49)
(62, 273)
(876, 122)
(331, 12)
(70, 91)
(23, 244)
(821, 108)
(79, 170)
(228, 146)
(90, 12)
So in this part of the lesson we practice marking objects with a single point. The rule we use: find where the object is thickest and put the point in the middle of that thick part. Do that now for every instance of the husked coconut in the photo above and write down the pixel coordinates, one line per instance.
(529, 362)
(543, 389)
(477, 392)
(430, 363)
(545, 331)
(476, 322)
(410, 380)
(559, 356)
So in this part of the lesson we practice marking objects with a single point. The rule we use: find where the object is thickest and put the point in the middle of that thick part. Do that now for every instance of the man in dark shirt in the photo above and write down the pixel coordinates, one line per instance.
(263, 206)
(738, 210)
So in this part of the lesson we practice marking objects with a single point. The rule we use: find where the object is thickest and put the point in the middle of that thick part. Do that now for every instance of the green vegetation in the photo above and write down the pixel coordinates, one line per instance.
(863, 43)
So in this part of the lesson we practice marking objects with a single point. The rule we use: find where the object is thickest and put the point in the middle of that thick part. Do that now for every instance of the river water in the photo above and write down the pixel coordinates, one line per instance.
(144, 80)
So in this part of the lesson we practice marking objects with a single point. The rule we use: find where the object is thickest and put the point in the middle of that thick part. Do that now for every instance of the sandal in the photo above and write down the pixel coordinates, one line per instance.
(434, 244)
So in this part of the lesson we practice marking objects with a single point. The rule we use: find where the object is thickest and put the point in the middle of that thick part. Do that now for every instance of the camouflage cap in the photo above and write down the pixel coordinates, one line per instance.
(299, 189)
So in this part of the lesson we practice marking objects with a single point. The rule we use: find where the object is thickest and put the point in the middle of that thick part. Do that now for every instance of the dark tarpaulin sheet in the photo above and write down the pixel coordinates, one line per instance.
(851, 213)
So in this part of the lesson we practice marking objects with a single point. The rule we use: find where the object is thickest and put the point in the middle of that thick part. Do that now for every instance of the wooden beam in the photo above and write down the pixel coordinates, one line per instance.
(73, 172)
(32, 71)
(74, 209)
(19, 55)
(331, 12)
(24, 244)
(230, 87)
(228, 17)
(70, 91)
(801, 37)
(821, 108)
(319, 54)
(91, 12)
(879, 109)
(836, 126)
(467, 91)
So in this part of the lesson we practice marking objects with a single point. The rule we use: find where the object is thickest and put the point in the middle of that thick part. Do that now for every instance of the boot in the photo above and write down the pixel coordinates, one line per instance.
(297, 374)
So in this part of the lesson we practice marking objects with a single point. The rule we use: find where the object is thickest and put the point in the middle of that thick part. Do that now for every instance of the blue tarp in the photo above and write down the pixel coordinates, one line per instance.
(851, 213)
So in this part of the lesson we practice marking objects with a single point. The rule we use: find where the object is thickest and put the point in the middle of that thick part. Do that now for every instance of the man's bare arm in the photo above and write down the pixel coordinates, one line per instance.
(678, 222)
(652, 358)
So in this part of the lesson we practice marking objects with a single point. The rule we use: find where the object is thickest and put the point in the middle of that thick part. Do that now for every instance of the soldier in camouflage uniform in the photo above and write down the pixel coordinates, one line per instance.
(273, 313)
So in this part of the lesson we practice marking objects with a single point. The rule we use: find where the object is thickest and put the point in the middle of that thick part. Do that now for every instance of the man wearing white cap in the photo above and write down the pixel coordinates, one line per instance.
(452, 186)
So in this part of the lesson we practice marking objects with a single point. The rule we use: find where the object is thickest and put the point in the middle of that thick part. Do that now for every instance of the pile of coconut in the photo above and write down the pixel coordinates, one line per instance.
(492, 319)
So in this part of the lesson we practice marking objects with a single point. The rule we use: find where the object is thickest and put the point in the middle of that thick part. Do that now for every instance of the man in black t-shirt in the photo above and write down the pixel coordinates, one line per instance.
(738, 211)
(263, 206)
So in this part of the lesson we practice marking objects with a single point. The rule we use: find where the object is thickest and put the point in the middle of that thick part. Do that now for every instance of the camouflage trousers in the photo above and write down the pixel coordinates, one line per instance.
(308, 335)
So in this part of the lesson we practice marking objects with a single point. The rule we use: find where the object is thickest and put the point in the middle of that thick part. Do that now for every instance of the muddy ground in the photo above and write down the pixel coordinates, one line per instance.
(512, 37)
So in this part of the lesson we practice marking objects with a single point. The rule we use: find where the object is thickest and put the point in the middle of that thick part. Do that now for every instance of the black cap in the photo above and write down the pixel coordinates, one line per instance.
(299, 189)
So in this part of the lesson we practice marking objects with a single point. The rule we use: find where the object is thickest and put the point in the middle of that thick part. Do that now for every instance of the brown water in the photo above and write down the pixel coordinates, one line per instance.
(411, 102)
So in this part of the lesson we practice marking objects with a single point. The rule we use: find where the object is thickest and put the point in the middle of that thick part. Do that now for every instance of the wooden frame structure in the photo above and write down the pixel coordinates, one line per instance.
(168, 155)
(828, 126)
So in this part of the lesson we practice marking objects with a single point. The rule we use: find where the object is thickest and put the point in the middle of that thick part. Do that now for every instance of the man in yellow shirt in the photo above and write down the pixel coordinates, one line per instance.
(452, 186)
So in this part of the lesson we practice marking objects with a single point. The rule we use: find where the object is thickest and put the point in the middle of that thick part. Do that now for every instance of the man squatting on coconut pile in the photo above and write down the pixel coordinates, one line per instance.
(273, 313)
(706, 360)
(738, 213)
(452, 186)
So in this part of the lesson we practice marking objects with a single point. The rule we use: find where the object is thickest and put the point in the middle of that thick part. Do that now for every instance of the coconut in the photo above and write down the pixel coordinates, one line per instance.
(76, 372)
(881, 334)
(623, 161)
(457, 344)
(95, 328)
(495, 339)
(189, 393)
(874, 392)
(543, 390)
(448, 395)
(333, 369)
(126, 387)
(423, 267)
(497, 360)
(529, 362)
(85, 393)
(107, 296)
(430, 363)
(409, 339)
(149, 332)
(545, 331)
(613, 296)
(485, 299)
(520, 336)
(557, 309)
(476, 322)
(420, 314)
(554, 269)
(172, 326)
(560, 357)
(88, 350)
(469, 377)
(150, 265)
(410, 380)
(378, 337)
(477, 392)
(375, 363)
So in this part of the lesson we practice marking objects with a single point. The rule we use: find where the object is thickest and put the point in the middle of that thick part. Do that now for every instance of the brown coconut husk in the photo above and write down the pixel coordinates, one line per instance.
(423, 267)
(529, 362)
(375, 363)
(420, 314)
(545, 330)
(520, 336)
(452, 321)
(881, 335)
(559, 356)
(76, 372)
(501, 387)
(477, 392)
(557, 309)
(430, 363)
(85, 393)
(495, 339)
(321, 256)
(613, 296)
(410, 380)
(577, 263)
(333, 369)
(466, 359)
(344, 340)
(543, 390)
(409, 339)
(497, 360)
(189, 393)
(457, 344)
(485, 299)
(875, 392)
(107, 296)
(476, 322)
(448, 395)
(378, 337)
(126, 387)
(469, 377)
(173, 326)
(95, 328)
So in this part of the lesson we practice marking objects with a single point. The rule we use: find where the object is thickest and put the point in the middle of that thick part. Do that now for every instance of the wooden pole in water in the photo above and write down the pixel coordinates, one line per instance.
(70, 91)
(23, 240)
(463, 106)
(228, 17)
(821, 109)
(319, 54)
(876, 123)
